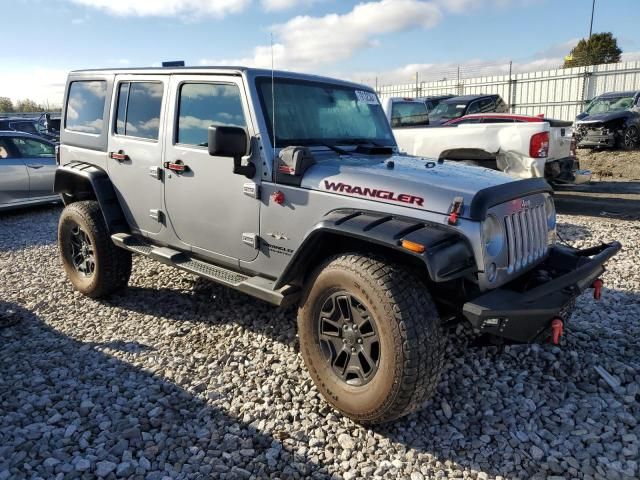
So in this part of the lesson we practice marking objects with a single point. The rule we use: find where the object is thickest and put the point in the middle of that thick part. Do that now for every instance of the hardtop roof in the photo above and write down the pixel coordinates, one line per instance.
(213, 70)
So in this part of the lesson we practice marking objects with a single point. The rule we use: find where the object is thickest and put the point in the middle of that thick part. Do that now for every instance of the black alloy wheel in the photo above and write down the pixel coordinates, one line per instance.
(349, 339)
(82, 254)
(631, 138)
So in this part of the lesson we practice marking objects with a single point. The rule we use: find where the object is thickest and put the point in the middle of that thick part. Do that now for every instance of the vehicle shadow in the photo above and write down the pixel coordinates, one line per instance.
(195, 300)
(482, 415)
(65, 402)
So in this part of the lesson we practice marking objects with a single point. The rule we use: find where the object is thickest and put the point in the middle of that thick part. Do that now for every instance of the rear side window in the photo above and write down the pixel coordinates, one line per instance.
(206, 104)
(139, 105)
(85, 106)
(409, 114)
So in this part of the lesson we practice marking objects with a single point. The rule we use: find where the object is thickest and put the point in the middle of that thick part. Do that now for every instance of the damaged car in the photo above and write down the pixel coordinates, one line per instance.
(611, 120)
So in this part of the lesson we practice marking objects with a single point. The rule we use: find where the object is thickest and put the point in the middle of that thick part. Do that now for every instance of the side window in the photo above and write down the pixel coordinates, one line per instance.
(474, 107)
(409, 114)
(486, 105)
(85, 106)
(204, 104)
(139, 105)
(28, 147)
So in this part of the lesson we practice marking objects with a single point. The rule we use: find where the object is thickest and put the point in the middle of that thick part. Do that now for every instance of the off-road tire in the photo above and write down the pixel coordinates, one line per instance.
(112, 265)
(408, 326)
(629, 139)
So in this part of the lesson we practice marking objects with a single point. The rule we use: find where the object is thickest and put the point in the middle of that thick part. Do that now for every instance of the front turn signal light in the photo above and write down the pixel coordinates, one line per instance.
(413, 246)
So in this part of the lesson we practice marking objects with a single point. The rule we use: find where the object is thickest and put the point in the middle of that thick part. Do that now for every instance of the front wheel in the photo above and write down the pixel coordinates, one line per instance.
(370, 337)
(630, 138)
(94, 264)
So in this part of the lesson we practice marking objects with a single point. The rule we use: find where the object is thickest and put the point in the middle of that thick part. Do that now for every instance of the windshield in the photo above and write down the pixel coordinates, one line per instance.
(609, 104)
(448, 110)
(314, 113)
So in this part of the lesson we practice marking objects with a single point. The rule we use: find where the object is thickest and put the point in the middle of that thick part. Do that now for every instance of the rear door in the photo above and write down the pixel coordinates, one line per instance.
(135, 148)
(14, 180)
(39, 158)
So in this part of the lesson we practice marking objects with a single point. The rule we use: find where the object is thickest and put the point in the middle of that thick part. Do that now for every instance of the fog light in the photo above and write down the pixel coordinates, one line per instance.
(492, 322)
(492, 272)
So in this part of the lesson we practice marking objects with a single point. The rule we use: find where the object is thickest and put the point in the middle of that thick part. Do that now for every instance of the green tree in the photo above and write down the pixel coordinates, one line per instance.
(600, 48)
(6, 105)
(28, 105)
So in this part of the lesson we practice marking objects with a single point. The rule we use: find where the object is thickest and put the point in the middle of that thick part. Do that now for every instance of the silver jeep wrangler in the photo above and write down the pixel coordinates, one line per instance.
(291, 188)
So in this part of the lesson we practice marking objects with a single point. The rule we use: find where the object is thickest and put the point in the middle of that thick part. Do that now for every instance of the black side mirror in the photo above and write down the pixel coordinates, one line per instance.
(227, 141)
(231, 142)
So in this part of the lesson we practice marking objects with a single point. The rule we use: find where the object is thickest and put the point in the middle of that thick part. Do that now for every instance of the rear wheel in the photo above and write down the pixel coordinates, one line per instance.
(94, 265)
(370, 337)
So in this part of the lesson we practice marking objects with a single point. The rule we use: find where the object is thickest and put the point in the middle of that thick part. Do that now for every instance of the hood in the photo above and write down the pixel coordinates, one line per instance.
(585, 118)
(413, 182)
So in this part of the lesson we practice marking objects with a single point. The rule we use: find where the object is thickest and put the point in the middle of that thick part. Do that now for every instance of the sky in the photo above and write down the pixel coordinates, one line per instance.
(387, 41)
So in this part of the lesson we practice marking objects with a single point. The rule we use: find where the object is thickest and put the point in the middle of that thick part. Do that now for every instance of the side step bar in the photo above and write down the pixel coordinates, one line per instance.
(258, 287)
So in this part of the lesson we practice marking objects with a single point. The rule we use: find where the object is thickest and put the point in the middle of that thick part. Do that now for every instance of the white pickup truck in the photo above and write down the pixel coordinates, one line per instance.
(522, 146)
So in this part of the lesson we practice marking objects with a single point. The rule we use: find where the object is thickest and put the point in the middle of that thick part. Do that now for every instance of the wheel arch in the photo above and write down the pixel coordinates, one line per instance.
(448, 255)
(82, 181)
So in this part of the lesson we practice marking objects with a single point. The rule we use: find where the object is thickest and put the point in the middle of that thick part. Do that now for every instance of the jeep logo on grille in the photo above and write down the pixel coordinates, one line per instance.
(525, 204)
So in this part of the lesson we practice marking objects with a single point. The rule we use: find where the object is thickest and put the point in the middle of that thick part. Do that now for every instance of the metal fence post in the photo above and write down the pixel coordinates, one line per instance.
(510, 99)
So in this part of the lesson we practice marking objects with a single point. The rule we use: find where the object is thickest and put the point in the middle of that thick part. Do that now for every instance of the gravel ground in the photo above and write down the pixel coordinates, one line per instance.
(611, 164)
(180, 378)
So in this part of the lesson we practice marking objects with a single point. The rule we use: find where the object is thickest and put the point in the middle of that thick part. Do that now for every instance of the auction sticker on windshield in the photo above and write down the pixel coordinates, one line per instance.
(366, 97)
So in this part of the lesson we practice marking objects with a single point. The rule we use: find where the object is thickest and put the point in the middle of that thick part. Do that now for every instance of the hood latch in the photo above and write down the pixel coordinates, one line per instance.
(455, 210)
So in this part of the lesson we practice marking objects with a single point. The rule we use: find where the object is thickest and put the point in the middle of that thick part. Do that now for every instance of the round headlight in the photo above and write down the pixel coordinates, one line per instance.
(550, 208)
(492, 236)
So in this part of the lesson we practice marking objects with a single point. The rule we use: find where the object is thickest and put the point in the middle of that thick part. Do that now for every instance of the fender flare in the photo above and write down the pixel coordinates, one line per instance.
(448, 255)
(82, 181)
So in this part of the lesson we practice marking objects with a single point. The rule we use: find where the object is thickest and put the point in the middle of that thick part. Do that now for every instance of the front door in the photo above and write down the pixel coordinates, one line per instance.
(14, 180)
(39, 158)
(135, 148)
(206, 205)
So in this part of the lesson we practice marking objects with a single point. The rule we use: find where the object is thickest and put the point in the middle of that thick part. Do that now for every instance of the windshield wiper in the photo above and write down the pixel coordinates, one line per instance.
(361, 141)
(335, 148)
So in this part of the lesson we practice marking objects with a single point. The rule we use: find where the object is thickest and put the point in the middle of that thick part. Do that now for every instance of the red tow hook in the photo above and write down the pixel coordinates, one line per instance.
(557, 326)
(597, 288)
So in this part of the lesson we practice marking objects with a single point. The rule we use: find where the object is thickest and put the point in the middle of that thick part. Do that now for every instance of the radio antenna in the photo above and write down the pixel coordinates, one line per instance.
(273, 104)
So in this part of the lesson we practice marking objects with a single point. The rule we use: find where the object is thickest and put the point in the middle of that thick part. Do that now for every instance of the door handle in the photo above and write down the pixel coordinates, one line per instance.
(120, 156)
(176, 166)
(35, 166)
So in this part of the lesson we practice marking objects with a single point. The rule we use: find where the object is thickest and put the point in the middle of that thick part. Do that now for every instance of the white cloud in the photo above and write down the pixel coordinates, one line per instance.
(167, 8)
(40, 84)
(305, 42)
(276, 5)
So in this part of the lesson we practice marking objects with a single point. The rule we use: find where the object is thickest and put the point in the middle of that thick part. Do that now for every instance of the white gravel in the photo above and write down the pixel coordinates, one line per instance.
(180, 378)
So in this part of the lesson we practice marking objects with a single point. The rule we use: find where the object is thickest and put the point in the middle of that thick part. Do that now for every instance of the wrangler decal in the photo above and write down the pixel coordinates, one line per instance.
(374, 193)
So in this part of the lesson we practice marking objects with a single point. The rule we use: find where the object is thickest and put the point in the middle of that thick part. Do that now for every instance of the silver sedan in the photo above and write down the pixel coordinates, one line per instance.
(27, 170)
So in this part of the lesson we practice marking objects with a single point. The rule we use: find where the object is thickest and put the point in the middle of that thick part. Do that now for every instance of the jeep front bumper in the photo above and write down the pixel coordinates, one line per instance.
(519, 311)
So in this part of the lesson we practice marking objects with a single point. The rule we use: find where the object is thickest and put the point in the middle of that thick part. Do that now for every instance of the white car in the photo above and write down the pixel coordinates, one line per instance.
(520, 145)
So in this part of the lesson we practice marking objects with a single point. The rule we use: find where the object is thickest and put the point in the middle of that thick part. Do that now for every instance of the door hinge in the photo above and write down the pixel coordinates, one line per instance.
(157, 215)
(251, 239)
(251, 189)
(155, 172)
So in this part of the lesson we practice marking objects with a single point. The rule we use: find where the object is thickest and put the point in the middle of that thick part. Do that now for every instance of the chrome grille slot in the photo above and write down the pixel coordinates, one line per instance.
(526, 233)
